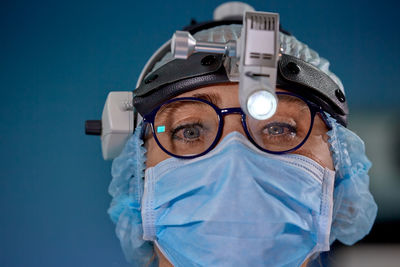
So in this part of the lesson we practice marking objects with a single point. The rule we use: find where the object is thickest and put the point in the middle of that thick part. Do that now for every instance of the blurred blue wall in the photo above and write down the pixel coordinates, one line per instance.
(58, 61)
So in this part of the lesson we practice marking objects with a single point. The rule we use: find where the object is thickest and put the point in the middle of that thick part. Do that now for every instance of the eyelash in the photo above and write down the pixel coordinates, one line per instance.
(291, 128)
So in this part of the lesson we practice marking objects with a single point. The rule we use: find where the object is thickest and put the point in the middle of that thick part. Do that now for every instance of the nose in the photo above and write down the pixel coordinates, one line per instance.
(232, 123)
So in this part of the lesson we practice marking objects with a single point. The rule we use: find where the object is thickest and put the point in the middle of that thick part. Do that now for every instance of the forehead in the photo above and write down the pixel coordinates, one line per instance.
(222, 95)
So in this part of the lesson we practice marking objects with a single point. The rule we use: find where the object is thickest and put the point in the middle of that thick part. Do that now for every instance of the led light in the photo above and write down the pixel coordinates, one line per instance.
(261, 105)
(160, 129)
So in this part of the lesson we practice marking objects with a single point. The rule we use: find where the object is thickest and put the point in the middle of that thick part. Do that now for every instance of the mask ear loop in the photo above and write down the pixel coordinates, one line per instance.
(324, 118)
(145, 130)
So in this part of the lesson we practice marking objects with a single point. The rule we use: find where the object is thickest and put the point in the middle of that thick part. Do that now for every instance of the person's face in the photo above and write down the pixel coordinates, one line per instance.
(316, 147)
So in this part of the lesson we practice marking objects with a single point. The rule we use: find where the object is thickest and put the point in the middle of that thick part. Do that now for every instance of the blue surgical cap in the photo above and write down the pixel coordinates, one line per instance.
(354, 209)
(126, 189)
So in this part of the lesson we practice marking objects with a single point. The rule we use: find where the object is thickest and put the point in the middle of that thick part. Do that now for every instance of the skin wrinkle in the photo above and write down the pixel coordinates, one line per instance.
(316, 147)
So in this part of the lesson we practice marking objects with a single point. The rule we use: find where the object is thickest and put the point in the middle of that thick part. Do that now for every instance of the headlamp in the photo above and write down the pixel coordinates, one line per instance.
(256, 51)
(261, 105)
(254, 60)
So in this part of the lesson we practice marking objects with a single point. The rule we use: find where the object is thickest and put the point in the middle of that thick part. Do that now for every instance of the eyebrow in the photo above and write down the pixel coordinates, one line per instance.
(293, 100)
(175, 106)
(213, 98)
(210, 97)
(288, 99)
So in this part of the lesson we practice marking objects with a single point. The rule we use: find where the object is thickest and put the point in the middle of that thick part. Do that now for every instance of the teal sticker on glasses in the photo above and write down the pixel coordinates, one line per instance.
(160, 129)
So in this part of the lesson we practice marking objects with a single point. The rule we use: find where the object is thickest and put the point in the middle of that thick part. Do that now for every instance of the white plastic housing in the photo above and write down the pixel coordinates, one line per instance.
(259, 55)
(231, 9)
(117, 123)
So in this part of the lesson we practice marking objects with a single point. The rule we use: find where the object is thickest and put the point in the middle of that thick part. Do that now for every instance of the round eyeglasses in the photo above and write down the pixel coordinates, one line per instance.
(190, 127)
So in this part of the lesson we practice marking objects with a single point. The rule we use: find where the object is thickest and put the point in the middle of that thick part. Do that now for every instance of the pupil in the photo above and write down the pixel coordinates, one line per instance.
(191, 133)
(275, 130)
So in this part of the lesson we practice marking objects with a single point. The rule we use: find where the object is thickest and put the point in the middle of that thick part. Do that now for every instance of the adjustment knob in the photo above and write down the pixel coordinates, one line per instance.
(182, 45)
(93, 127)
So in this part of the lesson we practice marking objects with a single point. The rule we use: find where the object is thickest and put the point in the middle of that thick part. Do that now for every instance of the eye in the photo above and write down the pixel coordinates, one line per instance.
(276, 129)
(191, 133)
(188, 132)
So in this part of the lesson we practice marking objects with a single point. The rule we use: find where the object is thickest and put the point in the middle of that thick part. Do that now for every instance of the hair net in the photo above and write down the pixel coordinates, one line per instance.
(289, 45)
(126, 188)
(354, 210)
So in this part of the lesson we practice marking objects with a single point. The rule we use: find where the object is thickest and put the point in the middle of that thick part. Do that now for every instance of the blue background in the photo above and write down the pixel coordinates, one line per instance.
(59, 60)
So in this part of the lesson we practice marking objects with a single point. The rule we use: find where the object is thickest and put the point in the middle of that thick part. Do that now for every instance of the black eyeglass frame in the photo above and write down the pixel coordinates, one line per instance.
(149, 119)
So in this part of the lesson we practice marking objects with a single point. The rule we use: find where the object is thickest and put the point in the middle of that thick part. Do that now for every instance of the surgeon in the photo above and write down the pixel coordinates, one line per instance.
(201, 182)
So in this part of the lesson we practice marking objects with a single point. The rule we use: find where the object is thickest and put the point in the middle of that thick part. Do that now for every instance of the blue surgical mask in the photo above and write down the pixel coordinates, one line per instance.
(238, 206)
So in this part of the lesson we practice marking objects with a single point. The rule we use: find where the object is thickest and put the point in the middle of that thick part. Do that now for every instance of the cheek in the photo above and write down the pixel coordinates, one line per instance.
(318, 150)
(317, 145)
(154, 153)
